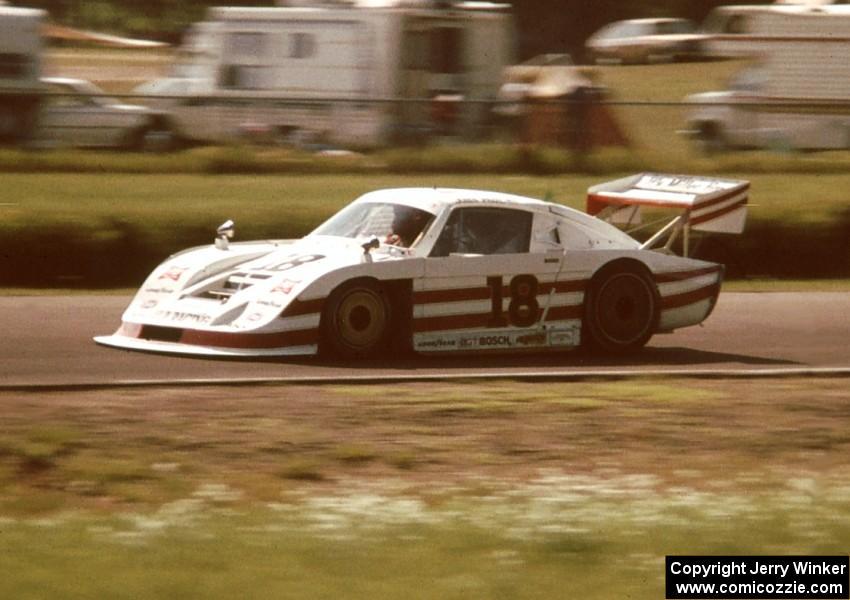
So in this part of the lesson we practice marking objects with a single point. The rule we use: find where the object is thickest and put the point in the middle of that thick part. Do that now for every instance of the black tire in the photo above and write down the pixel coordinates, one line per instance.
(159, 139)
(620, 309)
(18, 119)
(356, 321)
(157, 136)
(710, 139)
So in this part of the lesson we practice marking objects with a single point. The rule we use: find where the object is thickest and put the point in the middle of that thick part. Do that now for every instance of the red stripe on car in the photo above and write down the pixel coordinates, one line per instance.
(279, 339)
(482, 320)
(685, 298)
(485, 292)
(221, 339)
(597, 202)
(673, 276)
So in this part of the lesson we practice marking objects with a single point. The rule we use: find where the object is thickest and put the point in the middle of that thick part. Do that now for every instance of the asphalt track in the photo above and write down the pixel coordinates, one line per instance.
(47, 341)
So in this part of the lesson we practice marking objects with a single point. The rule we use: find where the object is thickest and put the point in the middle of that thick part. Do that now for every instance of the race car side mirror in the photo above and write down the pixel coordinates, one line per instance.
(224, 233)
(372, 244)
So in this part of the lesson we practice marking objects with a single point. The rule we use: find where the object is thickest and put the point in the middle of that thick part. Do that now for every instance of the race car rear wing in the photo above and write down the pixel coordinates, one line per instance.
(704, 204)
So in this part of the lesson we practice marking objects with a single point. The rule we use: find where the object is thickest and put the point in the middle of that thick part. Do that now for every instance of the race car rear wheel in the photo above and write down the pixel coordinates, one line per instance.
(621, 309)
(356, 321)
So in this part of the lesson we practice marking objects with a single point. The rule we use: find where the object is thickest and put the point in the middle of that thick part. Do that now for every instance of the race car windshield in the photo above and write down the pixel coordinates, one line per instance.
(395, 224)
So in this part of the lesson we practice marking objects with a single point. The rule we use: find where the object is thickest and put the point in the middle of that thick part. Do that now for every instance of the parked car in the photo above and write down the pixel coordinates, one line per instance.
(794, 98)
(637, 41)
(77, 113)
(444, 270)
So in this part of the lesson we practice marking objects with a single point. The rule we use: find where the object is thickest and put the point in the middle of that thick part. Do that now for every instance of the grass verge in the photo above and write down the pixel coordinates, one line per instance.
(506, 489)
(490, 158)
(85, 230)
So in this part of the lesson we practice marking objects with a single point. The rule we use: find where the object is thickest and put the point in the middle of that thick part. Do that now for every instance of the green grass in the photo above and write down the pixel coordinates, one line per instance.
(580, 537)
(508, 397)
(542, 490)
(72, 226)
(166, 207)
(144, 449)
(161, 205)
(668, 82)
(39, 448)
(291, 205)
(655, 149)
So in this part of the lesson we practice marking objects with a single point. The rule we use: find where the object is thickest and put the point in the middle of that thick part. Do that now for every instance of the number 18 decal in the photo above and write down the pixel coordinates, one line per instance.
(523, 311)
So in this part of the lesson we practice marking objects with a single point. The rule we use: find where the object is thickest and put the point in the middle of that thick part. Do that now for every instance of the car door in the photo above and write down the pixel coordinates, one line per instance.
(75, 114)
(483, 288)
(100, 121)
(60, 122)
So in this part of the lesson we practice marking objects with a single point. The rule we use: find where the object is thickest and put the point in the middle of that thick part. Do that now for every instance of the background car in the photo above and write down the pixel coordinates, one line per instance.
(637, 41)
(77, 113)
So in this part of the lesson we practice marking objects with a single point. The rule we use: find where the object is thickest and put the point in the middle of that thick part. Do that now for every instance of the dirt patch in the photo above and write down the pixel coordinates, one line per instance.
(136, 448)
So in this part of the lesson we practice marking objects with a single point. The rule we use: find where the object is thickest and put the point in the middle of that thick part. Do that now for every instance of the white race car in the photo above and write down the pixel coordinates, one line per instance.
(442, 270)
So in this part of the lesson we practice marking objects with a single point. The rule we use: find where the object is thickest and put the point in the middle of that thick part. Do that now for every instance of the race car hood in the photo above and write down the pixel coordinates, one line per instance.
(244, 287)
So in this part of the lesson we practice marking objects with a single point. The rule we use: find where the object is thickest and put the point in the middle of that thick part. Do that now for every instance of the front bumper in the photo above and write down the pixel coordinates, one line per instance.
(236, 346)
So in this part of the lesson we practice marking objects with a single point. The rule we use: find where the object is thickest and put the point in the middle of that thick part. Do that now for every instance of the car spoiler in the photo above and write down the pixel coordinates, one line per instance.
(703, 203)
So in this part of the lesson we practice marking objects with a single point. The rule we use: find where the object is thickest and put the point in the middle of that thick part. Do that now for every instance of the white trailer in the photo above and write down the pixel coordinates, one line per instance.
(795, 95)
(737, 31)
(343, 73)
(20, 72)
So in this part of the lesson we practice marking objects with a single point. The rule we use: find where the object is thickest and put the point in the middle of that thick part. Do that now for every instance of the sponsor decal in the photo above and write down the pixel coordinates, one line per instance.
(683, 184)
(565, 336)
(173, 274)
(270, 303)
(182, 317)
(284, 287)
(158, 290)
(437, 344)
(495, 341)
(500, 340)
(532, 339)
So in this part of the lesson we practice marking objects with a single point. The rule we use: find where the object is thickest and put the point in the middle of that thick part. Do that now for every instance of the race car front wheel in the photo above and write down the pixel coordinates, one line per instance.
(356, 321)
(621, 309)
